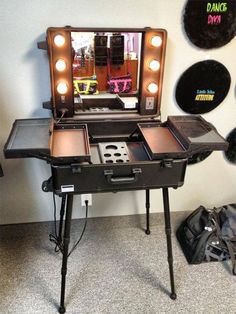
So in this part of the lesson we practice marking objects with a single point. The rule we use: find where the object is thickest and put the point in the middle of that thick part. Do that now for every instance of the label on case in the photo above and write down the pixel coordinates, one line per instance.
(67, 188)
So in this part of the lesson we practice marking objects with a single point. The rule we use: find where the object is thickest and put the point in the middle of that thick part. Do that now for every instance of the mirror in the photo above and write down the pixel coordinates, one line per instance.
(105, 63)
(106, 70)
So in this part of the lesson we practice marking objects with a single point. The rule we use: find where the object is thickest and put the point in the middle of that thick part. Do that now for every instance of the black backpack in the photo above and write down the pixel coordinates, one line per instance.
(209, 235)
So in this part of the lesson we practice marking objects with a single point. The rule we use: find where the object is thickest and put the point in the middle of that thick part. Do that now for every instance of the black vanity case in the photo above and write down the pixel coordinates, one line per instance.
(147, 155)
(100, 142)
(132, 155)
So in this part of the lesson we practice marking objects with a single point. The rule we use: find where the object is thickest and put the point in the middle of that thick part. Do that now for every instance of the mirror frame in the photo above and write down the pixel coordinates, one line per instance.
(148, 102)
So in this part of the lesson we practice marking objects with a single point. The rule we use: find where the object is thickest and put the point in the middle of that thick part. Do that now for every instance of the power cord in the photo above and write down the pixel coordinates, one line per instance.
(54, 237)
(82, 233)
(57, 240)
(63, 112)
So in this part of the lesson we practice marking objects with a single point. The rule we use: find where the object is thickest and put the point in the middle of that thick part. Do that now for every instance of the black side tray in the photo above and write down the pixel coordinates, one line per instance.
(180, 137)
(28, 138)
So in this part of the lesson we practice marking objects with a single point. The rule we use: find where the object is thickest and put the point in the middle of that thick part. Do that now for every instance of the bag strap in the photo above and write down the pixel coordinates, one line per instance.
(199, 252)
(232, 256)
(215, 219)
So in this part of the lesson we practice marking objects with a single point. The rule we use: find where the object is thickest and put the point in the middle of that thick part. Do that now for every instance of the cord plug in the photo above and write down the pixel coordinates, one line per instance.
(86, 199)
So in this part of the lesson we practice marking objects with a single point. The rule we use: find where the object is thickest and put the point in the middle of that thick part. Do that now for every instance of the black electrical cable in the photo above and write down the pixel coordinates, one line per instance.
(55, 214)
(82, 233)
(55, 238)
(63, 112)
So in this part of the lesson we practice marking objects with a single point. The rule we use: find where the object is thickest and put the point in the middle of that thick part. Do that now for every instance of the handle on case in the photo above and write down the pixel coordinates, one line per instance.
(109, 174)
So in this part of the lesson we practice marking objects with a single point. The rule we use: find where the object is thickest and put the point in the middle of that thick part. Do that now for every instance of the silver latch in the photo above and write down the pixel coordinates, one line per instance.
(76, 168)
(167, 163)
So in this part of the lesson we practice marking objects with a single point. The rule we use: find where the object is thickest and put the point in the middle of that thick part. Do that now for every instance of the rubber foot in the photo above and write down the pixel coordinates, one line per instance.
(61, 309)
(147, 231)
(173, 296)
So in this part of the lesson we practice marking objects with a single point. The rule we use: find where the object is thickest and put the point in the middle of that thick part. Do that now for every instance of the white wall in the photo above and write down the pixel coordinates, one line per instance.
(24, 84)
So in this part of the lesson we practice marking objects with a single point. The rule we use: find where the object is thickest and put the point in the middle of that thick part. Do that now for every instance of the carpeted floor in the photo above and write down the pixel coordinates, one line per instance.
(117, 268)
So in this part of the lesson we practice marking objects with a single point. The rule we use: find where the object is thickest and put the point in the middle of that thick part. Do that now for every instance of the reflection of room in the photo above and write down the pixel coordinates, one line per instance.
(101, 56)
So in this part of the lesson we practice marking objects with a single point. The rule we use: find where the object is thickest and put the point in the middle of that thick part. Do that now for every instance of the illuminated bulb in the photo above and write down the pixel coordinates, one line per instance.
(156, 41)
(154, 65)
(60, 65)
(59, 40)
(152, 88)
(62, 88)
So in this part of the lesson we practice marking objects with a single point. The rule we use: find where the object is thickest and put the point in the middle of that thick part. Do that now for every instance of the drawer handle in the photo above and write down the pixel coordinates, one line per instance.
(109, 174)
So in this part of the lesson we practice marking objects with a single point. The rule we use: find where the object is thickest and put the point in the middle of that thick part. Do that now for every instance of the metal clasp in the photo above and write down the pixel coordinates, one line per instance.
(167, 163)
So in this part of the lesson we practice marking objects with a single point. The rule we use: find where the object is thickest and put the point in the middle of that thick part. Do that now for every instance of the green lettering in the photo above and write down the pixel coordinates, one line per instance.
(217, 7)
(208, 7)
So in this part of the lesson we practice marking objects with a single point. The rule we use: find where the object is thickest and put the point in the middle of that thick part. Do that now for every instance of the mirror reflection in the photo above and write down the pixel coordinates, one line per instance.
(105, 63)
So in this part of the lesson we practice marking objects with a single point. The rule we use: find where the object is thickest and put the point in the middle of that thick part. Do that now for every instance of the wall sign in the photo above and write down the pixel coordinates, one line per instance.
(210, 24)
(202, 87)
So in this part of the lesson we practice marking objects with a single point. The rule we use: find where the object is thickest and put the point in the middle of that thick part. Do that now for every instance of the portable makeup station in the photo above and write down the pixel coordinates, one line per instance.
(106, 134)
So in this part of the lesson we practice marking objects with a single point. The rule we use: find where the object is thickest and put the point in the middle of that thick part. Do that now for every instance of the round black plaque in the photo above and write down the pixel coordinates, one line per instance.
(210, 24)
(202, 87)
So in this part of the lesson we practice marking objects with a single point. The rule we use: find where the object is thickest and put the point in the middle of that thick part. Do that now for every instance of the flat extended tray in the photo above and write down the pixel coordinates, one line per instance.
(70, 142)
(28, 138)
(44, 139)
(160, 142)
(180, 137)
(196, 134)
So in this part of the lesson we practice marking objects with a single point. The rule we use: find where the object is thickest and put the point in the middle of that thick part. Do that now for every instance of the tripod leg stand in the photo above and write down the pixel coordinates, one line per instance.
(147, 231)
(66, 241)
(168, 239)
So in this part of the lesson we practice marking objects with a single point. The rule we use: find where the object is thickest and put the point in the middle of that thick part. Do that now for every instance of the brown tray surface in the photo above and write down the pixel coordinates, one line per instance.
(68, 143)
(161, 140)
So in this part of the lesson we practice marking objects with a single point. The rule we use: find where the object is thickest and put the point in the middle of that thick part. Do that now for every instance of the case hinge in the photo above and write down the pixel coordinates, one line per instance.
(47, 185)
(47, 105)
(42, 45)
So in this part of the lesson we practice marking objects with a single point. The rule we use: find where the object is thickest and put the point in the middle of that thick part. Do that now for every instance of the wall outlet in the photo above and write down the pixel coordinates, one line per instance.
(86, 197)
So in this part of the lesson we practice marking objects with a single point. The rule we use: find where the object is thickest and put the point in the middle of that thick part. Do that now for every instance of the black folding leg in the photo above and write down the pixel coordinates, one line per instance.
(168, 238)
(147, 231)
(62, 212)
(66, 241)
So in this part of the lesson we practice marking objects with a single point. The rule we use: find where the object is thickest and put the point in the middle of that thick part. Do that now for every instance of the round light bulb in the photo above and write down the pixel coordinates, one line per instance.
(62, 88)
(156, 41)
(60, 65)
(59, 40)
(152, 88)
(154, 65)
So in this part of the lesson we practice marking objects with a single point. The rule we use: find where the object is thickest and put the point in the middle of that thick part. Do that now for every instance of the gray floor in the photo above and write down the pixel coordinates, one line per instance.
(115, 269)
